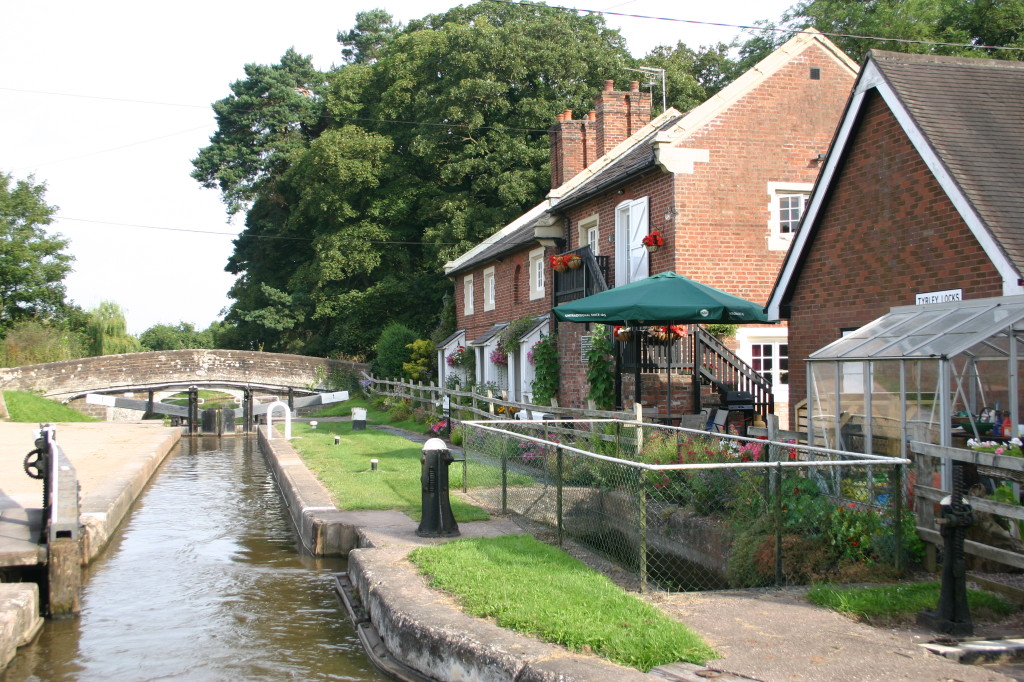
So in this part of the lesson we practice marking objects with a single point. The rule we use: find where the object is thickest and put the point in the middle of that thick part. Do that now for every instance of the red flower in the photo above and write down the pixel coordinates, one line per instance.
(653, 239)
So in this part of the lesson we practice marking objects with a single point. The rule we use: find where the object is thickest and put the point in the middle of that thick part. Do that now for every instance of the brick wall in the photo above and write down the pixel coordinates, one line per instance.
(888, 232)
(512, 295)
(61, 380)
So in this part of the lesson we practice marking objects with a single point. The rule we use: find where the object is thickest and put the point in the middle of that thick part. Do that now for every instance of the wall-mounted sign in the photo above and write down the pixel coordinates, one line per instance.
(939, 296)
(586, 343)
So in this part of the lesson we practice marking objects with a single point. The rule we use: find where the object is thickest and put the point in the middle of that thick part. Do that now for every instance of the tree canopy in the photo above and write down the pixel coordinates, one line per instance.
(359, 183)
(33, 264)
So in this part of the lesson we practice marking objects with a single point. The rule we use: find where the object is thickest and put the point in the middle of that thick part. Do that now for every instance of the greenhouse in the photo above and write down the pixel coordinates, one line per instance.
(940, 373)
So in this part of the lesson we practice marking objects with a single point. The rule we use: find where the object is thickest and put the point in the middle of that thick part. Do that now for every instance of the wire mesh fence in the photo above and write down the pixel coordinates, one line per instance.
(690, 510)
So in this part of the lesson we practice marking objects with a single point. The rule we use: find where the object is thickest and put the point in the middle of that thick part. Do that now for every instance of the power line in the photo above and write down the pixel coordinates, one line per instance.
(774, 29)
(112, 149)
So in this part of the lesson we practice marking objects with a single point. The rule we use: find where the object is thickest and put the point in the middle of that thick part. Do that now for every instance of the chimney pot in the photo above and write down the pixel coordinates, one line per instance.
(609, 85)
(634, 86)
(567, 114)
(592, 115)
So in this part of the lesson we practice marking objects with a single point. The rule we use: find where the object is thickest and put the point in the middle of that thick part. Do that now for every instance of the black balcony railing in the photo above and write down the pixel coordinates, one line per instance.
(590, 278)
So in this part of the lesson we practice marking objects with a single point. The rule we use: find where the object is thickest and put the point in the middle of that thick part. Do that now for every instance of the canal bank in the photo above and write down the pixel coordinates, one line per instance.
(761, 634)
(113, 463)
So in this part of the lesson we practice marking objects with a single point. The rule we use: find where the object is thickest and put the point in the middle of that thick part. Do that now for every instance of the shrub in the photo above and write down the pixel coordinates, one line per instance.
(422, 364)
(392, 350)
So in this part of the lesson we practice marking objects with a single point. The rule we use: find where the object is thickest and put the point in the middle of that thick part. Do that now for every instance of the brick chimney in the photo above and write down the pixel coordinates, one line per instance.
(572, 146)
(575, 144)
(620, 114)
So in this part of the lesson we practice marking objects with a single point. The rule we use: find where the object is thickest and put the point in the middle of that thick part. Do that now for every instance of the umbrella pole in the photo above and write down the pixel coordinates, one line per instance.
(636, 368)
(668, 387)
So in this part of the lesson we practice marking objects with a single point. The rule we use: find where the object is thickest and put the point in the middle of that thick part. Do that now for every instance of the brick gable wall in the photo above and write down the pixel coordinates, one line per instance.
(512, 299)
(888, 231)
(774, 134)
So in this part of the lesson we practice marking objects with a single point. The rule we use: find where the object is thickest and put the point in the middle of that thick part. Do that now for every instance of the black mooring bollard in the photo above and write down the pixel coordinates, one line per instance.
(953, 617)
(438, 520)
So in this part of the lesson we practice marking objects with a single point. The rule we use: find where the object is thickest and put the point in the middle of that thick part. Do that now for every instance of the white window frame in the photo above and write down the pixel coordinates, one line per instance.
(632, 224)
(537, 275)
(467, 295)
(490, 289)
(777, 239)
(589, 233)
(747, 337)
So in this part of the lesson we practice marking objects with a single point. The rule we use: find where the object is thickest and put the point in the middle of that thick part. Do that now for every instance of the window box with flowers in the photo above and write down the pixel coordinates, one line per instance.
(653, 241)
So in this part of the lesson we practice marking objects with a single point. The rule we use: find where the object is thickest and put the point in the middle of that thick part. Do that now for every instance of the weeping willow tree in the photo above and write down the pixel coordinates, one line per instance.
(108, 331)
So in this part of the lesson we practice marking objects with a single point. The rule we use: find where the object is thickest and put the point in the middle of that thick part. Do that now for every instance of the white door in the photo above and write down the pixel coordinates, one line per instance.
(631, 226)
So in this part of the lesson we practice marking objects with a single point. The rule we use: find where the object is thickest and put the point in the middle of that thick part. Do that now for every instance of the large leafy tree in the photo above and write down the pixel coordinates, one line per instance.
(944, 27)
(428, 140)
(33, 264)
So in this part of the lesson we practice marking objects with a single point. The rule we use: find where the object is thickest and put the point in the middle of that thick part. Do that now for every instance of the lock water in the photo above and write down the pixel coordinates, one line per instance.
(205, 580)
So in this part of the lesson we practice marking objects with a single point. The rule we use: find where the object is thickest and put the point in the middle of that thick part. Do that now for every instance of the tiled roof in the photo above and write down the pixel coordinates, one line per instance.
(636, 160)
(497, 245)
(971, 111)
(489, 334)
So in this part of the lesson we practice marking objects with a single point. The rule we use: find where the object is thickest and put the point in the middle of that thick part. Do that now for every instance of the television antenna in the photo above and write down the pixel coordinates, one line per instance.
(653, 74)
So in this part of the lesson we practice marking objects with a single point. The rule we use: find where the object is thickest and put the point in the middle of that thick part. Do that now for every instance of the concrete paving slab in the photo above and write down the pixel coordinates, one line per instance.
(113, 462)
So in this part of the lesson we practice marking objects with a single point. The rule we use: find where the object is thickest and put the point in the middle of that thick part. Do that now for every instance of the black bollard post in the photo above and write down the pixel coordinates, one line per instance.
(193, 410)
(953, 617)
(437, 520)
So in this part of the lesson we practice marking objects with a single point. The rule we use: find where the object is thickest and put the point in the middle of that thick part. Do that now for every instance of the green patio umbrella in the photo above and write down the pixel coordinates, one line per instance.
(665, 298)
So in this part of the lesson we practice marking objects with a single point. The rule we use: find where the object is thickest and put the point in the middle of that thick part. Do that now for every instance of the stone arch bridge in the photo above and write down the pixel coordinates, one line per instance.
(72, 380)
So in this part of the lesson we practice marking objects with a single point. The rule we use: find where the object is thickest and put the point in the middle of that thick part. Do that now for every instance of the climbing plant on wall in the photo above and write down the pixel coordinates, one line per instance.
(545, 360)
(600, 373)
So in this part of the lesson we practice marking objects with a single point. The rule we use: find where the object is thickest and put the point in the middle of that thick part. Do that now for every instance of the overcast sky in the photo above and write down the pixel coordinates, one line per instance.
(108, 102)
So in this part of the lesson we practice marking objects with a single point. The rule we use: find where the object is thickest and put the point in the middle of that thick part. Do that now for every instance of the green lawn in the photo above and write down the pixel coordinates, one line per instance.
(530, 587)
(28, 407)
(900, 602)
(345, 470)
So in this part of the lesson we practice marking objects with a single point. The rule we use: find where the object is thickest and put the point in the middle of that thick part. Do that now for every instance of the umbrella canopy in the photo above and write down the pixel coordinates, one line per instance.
(665, 298)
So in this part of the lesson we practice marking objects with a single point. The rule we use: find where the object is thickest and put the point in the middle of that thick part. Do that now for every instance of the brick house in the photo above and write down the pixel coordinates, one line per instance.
(920, 194)
(724, 185)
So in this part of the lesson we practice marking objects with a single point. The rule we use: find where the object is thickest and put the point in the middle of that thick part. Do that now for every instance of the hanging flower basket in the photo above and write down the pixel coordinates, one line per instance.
(659, 334)
(558, 263)
(574, 261)
(623, 334)
(653, 241)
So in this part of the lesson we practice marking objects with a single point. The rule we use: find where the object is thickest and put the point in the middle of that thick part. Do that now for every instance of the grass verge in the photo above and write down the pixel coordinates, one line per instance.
(891, 604)
(28, 407)
(533, 588)
(344, 469)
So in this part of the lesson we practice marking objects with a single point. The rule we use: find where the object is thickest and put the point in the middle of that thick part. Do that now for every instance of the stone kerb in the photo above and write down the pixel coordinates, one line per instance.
(69, 378)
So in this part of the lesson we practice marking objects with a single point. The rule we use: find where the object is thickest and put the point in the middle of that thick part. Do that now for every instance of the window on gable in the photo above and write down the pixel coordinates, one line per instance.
(537, 274)
(490, 289)
(786, 205)
(467, 295)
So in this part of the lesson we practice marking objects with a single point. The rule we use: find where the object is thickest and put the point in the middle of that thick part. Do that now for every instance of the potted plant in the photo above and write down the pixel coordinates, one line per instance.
(653, 241)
